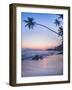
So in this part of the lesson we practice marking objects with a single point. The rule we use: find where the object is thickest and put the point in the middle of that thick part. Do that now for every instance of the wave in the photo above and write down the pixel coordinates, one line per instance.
(29, 54)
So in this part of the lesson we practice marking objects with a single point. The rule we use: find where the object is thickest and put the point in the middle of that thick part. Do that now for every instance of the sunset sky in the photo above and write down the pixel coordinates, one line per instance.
(39, 37)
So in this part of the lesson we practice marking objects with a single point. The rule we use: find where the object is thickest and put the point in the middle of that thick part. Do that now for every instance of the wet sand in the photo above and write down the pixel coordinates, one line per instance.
(49, 66)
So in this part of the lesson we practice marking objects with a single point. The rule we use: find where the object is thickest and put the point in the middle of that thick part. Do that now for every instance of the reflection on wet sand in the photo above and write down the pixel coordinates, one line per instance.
(50, 65)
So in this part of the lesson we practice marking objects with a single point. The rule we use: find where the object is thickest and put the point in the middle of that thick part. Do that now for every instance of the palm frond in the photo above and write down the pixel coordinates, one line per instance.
(61, 16)
(61, 31)
(29, 22)
(25, 21)
(57, 22)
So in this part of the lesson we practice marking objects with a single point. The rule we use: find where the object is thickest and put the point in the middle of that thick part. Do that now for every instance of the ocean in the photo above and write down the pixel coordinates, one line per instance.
(41, 63)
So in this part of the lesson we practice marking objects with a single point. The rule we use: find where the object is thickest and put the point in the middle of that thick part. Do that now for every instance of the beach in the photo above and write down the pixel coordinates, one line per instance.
(48, 66)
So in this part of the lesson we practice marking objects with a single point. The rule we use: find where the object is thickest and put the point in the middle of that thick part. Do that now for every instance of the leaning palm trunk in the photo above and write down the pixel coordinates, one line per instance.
(47, 28)
(30, 23)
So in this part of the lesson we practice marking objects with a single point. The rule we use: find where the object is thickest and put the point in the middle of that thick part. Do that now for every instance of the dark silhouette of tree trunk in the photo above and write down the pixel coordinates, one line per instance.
(30, 24)
(47, 28)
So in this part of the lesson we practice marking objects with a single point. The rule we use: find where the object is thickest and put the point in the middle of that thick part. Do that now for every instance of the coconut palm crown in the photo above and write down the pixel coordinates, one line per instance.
(29, 23)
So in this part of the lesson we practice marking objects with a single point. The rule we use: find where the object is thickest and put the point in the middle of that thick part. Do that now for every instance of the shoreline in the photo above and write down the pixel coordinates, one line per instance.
(49, 66)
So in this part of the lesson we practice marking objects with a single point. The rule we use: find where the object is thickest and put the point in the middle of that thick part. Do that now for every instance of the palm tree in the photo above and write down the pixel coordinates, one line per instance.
(30, 24)
(59, 23)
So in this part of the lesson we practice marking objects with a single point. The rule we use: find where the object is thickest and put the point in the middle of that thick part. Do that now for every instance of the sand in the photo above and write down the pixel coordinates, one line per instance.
(49, 66)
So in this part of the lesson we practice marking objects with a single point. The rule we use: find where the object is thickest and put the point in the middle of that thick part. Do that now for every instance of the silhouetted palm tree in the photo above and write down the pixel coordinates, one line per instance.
(59, 23)
(30, 24)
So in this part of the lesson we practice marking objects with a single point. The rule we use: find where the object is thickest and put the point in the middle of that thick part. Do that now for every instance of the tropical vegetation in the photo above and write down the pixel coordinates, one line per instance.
(30, 23)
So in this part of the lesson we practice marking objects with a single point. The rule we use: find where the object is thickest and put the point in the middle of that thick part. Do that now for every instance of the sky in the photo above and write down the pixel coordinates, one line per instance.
(39, 37)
